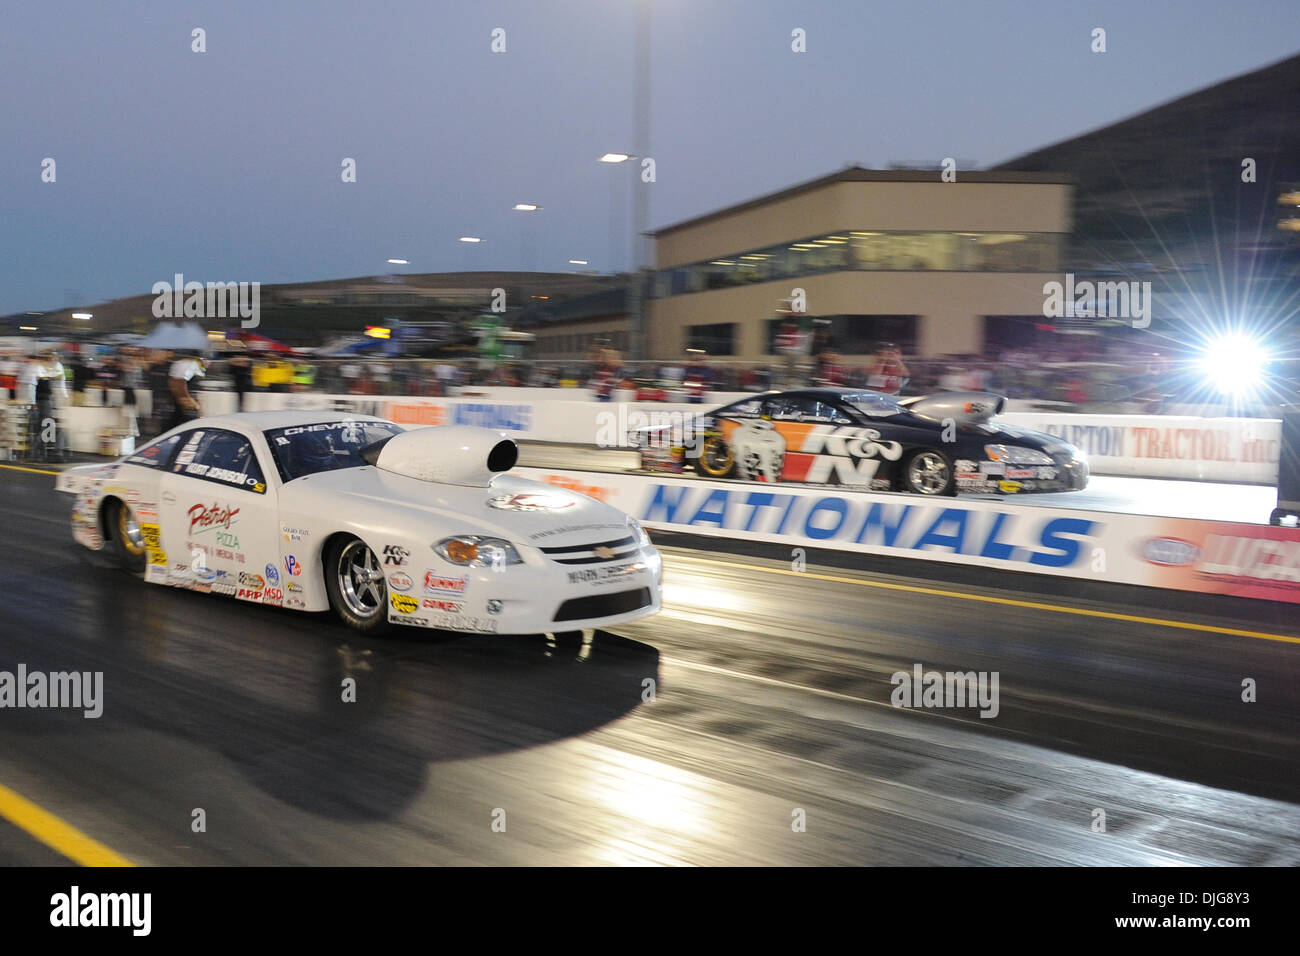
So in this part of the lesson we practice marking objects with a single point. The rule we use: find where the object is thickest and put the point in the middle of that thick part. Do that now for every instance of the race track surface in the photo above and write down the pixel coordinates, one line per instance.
(771, 704)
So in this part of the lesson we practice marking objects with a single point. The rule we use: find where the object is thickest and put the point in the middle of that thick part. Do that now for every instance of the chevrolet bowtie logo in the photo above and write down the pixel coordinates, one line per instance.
(603, 552)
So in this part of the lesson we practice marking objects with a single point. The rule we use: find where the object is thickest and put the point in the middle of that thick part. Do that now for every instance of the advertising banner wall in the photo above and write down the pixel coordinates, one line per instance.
(1236, 450)
(1213, 557)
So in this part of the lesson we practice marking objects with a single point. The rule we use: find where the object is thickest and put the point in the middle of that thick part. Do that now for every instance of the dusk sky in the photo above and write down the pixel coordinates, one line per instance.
(225, 165)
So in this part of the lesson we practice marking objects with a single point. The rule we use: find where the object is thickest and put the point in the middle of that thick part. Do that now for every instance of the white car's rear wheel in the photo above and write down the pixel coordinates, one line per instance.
(355, 581)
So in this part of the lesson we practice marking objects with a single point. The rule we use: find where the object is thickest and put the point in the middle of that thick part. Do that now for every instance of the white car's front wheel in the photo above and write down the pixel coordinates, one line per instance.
(355, 581)
(128, 543)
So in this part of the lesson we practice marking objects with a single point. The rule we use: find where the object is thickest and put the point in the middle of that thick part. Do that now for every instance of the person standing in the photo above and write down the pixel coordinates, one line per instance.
(160, 396)
(886, 372)
(44, 380)
(241, 373)
(185, 406)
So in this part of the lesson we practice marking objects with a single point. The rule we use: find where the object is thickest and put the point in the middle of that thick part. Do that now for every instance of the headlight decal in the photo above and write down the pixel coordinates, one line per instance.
(476, 551)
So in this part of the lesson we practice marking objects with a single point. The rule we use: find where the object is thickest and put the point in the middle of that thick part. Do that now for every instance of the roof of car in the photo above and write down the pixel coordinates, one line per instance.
(826, 394)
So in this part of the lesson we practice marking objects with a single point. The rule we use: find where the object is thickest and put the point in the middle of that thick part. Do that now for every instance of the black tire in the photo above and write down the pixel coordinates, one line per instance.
(360, 600)
(717, 459)
(928, 471)
(128, 545)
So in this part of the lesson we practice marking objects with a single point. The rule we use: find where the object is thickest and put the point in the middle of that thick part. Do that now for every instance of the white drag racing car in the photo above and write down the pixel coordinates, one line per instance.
(309, 511)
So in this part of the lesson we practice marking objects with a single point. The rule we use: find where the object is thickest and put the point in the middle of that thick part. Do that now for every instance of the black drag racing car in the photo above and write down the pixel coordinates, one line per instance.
(938, 444)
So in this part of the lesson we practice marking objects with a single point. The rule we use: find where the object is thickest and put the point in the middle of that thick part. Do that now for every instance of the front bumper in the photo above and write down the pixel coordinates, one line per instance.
(534, 598)
(1066, 473)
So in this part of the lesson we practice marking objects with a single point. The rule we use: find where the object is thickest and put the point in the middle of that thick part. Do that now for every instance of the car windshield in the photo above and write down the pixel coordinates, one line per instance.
(306, 449)
(872, 404)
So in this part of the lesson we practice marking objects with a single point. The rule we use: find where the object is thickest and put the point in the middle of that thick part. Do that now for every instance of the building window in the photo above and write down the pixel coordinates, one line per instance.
(851, 334)
(866, 250)
(718, 338)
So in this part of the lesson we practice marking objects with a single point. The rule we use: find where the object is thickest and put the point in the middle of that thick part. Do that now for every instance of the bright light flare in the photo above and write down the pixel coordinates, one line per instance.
(1234, 364)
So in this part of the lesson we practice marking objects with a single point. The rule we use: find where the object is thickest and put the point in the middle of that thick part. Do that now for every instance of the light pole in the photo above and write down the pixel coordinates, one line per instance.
(469, 241)
(612, 160)
(525, 246)
(641, 195)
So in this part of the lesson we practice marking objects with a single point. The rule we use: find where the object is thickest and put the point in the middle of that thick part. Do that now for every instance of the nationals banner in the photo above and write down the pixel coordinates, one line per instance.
(1246, 560)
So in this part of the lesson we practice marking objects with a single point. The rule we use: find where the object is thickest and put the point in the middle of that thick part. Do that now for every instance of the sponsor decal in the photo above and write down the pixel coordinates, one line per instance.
(156, 573)
(599, 576)
(1259, 559)
(1010, 487)
(272, 574)
(293, 587)
(412, 414)
(295, 602)
(273, 596)
(986, 534)
(404, 603)
(581, 487)
(293, 534)
(516, 418)
(395, 555)
(292, 566)
(573, 528)
(226, 539)
(1047, 474)
(1168, 552)
(992, 467)
(204, 518)
(249, 580)
(438, 604)
(454, 622)
(224, 587)
(225, 475)
(152, 535)
(531, 501)
(417, 621)
(1012, 472)
(401, 581)
(248, 594)
(441, 585)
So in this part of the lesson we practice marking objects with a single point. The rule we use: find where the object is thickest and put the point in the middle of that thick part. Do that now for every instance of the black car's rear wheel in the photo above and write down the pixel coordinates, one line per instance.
(355, 581)
(929, 472)
(128, 540)
(717, 459)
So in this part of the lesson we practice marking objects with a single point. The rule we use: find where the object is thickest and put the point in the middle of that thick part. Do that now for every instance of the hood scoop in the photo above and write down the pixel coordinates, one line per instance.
(449, 454)
(964, 408)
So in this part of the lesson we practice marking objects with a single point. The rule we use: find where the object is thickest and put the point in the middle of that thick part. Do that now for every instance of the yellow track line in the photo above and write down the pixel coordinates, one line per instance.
(56, 834)
(34, 471)
(1011, 602)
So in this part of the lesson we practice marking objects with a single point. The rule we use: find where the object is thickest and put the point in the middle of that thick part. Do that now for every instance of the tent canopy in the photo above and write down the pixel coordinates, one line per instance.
(169, 335)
